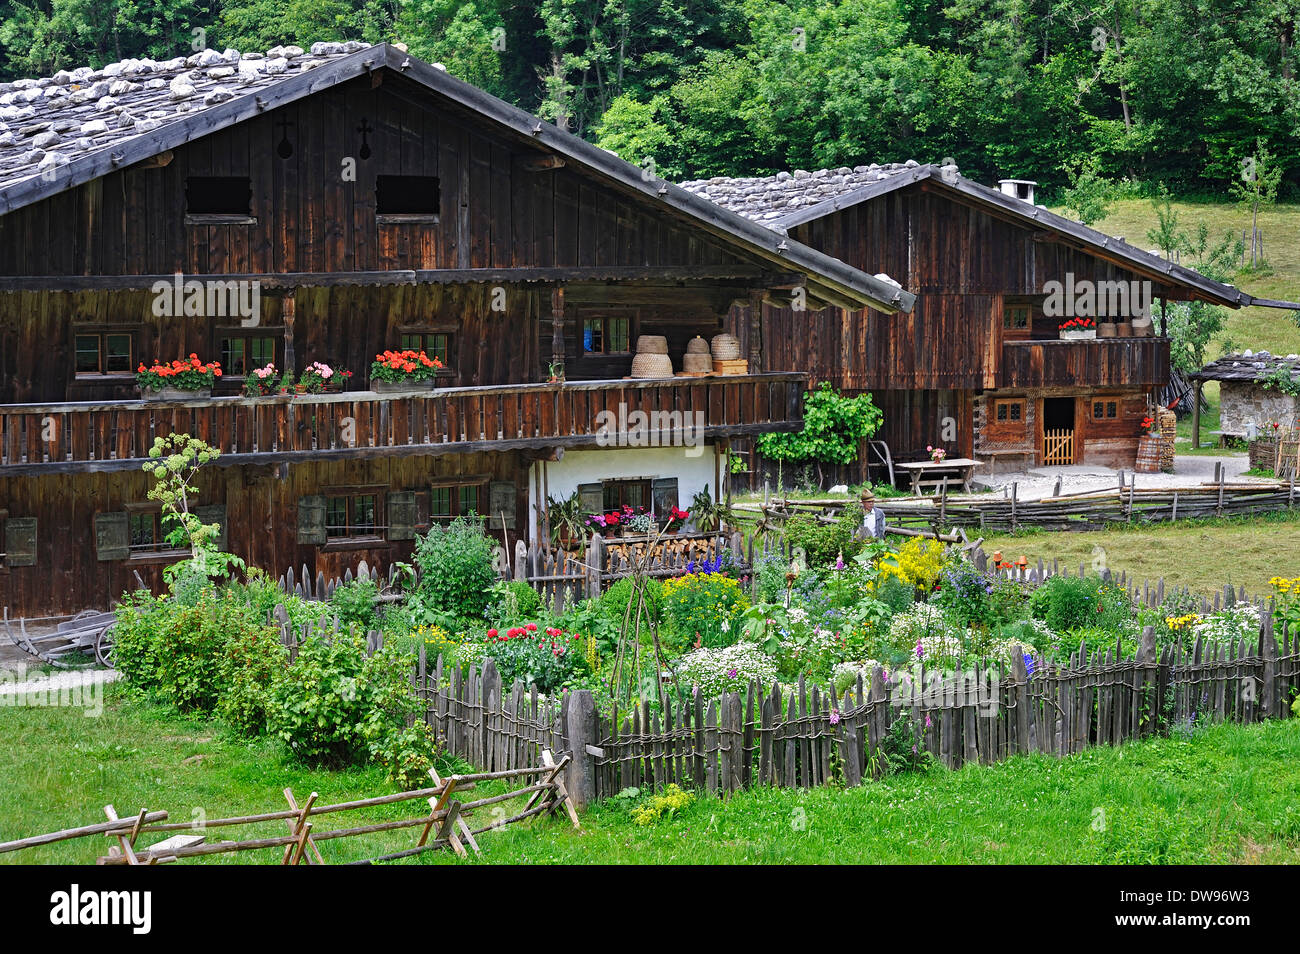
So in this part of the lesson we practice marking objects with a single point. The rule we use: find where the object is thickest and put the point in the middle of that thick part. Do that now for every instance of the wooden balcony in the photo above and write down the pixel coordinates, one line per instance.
(1105, 362)
(117, 435)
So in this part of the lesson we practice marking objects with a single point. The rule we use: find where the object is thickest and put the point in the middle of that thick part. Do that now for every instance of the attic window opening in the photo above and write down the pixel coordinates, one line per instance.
(407, 199)
(215, 200)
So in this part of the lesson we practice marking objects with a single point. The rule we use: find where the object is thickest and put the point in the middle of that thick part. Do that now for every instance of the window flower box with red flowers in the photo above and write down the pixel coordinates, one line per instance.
(403, 372)
(1078, 329)
(180, 380)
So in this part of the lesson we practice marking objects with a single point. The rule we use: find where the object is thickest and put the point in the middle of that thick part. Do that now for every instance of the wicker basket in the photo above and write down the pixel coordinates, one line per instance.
(725, 348)
(695, 363)
(645, 365)
(697, 345)
(652, 344)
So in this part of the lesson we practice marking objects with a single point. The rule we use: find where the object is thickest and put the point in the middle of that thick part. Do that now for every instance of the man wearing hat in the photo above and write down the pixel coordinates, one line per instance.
(873, 521)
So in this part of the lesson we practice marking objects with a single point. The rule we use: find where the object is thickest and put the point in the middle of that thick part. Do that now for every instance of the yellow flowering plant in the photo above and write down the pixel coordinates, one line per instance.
(699, 609)
(1286, 606)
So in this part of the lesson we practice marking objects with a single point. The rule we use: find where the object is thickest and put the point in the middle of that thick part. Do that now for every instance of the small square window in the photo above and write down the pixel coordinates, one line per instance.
(1111, 409)
(440, 503)
(102, 353)
(355, 515)
(218, 195)
(606, 335)
(1015, 317)
(434, 344)
(468, 500)
(407, 195)
(1003, 412)
(241, 355)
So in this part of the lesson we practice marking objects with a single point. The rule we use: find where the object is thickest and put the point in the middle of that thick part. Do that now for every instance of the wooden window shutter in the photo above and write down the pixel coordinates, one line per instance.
(112, 536)
(311, 520)
(502, 495)
(20, 541)
(214, 513)
(592, 497)
(663, 494)
(401, 515)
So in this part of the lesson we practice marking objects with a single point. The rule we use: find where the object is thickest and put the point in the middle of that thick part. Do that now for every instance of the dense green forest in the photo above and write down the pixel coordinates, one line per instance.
(1171, 91)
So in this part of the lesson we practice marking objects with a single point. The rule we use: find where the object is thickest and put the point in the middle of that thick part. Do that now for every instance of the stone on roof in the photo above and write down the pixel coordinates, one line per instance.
(767, 198)
(50, 121)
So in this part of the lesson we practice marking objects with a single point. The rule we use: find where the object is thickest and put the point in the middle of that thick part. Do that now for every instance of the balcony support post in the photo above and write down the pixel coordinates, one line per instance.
(756, 330)
(1196, 414)
(557, 331)
(287, 314)
(1164, 318)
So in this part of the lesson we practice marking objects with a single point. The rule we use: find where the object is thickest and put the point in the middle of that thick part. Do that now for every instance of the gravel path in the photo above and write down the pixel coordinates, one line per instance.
(1188, 472)
(59, 680)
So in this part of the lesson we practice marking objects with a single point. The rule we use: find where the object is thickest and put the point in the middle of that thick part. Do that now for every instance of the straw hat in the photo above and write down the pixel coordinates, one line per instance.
(867, 496)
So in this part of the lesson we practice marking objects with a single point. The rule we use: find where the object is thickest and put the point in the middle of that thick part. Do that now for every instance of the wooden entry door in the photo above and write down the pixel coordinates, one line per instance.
(1058, 424)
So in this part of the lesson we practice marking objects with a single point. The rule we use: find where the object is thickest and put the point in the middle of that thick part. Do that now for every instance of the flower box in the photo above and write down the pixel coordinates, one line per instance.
(1079, 334)
(175, 394)
(402, 387)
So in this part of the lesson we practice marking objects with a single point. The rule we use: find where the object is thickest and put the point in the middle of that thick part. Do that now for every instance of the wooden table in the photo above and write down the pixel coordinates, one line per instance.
(929, 473)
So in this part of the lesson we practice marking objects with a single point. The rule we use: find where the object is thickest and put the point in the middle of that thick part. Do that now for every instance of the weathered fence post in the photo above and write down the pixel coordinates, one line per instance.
(595, 565)
(1148, 654)
(580, 774)
(1268, 690)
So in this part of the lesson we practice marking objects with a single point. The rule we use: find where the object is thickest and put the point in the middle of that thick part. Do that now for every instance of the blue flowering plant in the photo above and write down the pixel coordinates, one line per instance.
(965, 595)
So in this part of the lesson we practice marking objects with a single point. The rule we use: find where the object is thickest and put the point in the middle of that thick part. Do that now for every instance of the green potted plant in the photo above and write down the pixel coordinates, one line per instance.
(260, 382)
(706, 512)
(320, 378)
(566, 521)
(180, 380)
(403, 372)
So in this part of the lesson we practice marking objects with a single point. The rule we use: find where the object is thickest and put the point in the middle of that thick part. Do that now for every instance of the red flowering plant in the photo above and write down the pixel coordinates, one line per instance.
(184, 375)
(401, 366)
(1078, 324)
(550, 658)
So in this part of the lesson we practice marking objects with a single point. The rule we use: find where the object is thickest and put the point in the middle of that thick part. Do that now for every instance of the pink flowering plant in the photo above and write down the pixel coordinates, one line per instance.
(937, 454)
(319, 377)
(260, 382)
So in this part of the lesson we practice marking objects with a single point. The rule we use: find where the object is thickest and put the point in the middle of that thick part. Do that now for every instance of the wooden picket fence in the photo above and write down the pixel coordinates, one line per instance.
(562, 578)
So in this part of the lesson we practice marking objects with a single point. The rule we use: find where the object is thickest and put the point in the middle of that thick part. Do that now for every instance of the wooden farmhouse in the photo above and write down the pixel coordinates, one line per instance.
(328, 205)
(979, 366)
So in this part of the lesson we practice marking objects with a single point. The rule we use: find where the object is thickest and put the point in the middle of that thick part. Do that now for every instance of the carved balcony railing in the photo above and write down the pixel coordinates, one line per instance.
(117, 435)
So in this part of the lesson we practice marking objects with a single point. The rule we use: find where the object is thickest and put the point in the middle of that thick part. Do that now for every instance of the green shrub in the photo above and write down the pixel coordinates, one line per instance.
(254, 658)
(336, 706)
(512, 600)
(1071, 602)
(614, 604)
(456, 572)
(176, 652)
(821, 542)
(354, 605)
(896, 593)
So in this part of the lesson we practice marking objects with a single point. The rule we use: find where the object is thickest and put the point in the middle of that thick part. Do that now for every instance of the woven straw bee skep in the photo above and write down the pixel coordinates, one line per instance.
(726, 348)
(695, 363)
(648, 365)
(651, 344)
(697, 345)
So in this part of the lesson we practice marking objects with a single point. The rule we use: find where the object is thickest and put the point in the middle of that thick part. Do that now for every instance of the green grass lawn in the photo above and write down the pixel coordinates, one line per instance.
(1202, 555)
(1224, 794)
(1255, 328)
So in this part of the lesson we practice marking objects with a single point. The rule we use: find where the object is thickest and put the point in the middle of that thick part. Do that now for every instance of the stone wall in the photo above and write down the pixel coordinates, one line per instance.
(1242, 403)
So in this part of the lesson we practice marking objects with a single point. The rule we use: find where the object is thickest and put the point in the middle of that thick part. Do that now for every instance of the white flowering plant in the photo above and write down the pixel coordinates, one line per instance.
(712, 672)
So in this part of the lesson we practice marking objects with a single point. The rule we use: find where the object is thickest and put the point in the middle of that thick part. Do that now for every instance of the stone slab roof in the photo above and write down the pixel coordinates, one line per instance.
(765, 199)
(1249, 366)
(48, 122)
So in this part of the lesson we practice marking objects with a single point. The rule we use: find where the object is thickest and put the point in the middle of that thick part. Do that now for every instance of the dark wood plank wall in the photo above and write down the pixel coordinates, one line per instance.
(261, 508)
(494, 211)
